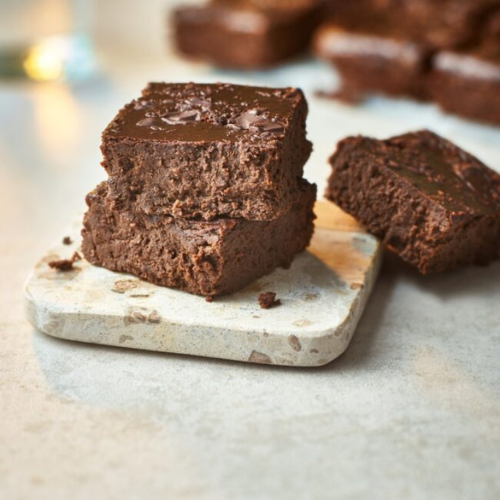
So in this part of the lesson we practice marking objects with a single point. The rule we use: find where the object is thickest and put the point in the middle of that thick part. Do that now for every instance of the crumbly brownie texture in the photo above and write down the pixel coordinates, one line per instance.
(207, 151)
(468, 83)
(65, 264)
(207, 258)
(435, 205)
(246, 34)
(373, 53)
(267, 300)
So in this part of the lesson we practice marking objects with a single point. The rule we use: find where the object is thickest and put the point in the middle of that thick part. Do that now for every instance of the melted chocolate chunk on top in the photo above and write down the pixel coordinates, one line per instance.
(207, 112)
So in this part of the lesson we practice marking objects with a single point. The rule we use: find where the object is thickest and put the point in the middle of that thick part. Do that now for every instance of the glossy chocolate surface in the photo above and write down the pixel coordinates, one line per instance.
(212, 112)
(455, 179)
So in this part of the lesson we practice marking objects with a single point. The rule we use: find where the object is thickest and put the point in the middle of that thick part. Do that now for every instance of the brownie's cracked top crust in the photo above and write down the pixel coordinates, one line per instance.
(435, 205)
(202, 257)
(205, 151)
(246, 34)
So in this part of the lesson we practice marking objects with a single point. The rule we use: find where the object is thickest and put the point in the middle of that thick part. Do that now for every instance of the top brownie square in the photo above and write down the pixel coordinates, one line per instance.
(208, 150)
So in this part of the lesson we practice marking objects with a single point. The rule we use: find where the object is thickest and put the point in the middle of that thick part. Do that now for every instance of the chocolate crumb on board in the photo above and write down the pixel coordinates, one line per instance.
(67, 240)
(65, 264)
(209, 298)
(268, 300)
(62, 265)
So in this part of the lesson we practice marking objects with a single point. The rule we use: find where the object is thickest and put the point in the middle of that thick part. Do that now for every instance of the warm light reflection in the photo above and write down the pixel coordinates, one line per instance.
(57, 123)
(46, 60)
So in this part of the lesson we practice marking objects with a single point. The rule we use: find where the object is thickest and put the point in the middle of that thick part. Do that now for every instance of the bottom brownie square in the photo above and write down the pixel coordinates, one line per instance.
(201, 257)
(435, 205)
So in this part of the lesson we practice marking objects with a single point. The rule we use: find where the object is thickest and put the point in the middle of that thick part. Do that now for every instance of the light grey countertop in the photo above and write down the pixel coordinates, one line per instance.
(410, 411)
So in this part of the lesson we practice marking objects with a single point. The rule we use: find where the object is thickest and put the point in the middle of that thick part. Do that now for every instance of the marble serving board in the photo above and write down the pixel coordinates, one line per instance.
(322, 296)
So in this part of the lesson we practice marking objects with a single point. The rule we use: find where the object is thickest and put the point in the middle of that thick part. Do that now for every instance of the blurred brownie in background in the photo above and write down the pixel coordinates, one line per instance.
(448, 24)
(246, 34)
(467, 82)
(374, 53)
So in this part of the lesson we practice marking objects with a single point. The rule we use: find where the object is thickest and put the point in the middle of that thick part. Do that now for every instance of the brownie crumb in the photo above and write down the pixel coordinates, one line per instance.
(209, 299)
(62, 265)
(65, 264)
(268, 300)
(67, 240)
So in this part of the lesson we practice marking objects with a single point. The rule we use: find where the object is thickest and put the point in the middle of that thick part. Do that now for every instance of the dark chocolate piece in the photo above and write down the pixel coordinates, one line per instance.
(63, 265)
(435, 205)
(246, 34)
(207, 258)
(374, 54)
(67, 240)
(468, 83)
(207, 151)
(267, 300)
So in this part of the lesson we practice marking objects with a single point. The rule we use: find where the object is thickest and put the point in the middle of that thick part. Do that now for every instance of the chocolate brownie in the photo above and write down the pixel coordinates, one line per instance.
(374, 53)
(435, 205)
(448, 24)
(207, 151)
(202, 257)
(467, 83)
(246, 34)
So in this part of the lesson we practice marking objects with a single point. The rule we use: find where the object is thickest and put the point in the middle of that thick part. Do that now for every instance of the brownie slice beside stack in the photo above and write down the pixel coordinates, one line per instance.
(205, 190)
(435, 205)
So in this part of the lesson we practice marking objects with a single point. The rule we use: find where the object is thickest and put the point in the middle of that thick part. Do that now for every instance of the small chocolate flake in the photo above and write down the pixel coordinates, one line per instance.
(67, 240)
(268, 300)
(289, 93)
(204, 104)
(248, 119)
(149, 122)
(76, 257)
(139, 105)
(209, 299)
(63, 265)
(274, 127)
(183, 117)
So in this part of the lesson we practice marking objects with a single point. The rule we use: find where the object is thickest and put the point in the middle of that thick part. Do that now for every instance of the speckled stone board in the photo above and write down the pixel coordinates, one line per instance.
(322, 296)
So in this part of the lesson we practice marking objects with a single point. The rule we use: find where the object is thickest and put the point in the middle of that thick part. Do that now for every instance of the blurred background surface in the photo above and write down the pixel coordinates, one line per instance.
(396, 417)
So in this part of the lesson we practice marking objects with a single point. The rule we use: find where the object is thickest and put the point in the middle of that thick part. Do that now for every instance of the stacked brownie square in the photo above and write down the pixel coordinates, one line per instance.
(205, 190)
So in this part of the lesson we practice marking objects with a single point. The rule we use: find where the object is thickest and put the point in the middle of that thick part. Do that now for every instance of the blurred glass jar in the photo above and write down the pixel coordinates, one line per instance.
(45, 40)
